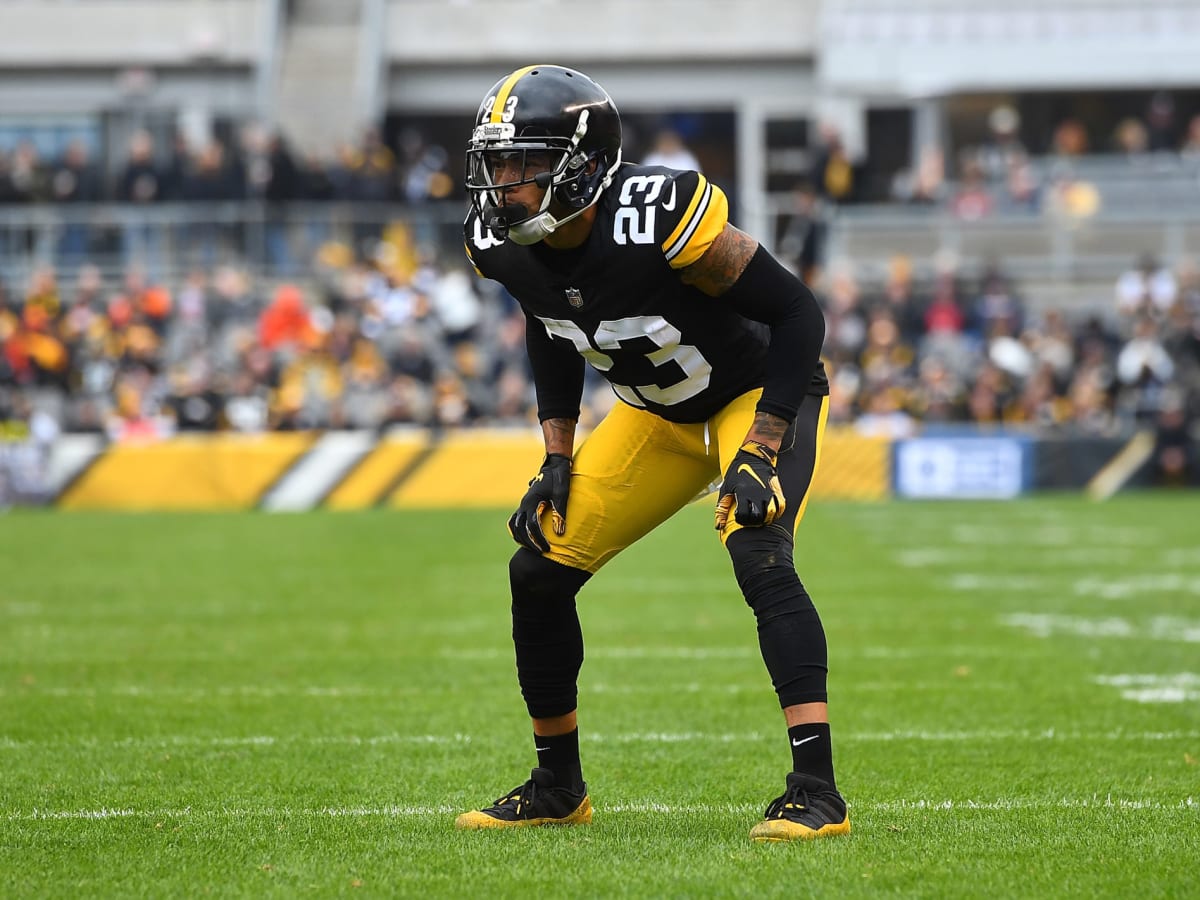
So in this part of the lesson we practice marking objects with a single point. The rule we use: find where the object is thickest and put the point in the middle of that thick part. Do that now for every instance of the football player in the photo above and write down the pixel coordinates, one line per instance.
(713, 349)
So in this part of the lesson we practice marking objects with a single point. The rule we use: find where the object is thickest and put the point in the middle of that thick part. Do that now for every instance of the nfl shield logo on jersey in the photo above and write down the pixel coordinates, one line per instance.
(574, 297)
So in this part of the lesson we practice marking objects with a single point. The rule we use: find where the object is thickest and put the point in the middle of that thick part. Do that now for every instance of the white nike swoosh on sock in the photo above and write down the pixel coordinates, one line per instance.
(796, 743)
(540, 749)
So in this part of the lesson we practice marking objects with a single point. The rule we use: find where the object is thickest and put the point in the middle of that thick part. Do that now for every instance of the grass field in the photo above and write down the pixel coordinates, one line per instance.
(255, 705)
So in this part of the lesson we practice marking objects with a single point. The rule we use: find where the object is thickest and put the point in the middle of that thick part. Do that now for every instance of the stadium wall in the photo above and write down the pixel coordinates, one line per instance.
(419, 468)
(343, 471)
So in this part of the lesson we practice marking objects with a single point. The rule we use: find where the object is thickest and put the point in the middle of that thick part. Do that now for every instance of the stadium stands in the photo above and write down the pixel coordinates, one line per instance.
(239, 272)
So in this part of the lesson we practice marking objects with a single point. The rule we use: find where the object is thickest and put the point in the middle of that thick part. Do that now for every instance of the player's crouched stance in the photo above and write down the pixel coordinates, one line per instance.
(713, 350)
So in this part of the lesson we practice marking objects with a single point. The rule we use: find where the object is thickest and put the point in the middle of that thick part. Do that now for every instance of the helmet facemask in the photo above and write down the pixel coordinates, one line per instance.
(498, 158)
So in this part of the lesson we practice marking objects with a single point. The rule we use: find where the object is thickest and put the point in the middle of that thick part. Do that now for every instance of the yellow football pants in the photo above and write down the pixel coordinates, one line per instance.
(636, 470)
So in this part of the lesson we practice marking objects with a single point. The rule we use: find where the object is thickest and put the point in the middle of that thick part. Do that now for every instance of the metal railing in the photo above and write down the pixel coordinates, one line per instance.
(280, 241)
(167, 240)
(1033, 246)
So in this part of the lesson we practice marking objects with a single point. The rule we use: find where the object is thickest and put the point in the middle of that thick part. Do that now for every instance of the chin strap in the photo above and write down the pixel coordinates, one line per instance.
(500, 219)
(540, 226)
(544, 223)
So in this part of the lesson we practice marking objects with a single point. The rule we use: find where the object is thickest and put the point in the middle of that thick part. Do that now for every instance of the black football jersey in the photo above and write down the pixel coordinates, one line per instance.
(664, 346)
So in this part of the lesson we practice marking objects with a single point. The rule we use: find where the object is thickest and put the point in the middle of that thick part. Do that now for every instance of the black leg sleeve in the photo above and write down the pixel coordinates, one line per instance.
(546, 632)
(790, 634)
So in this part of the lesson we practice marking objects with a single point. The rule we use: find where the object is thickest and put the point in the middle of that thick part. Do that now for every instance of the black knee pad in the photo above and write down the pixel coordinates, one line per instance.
(763, 566)
(534, 577)
(546, 632)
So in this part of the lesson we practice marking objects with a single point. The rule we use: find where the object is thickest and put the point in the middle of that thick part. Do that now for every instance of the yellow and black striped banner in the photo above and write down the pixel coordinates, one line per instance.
(356, 470)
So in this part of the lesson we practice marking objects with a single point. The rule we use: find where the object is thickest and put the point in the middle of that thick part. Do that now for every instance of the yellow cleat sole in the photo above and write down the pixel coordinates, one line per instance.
(477, 821)
(778, 831)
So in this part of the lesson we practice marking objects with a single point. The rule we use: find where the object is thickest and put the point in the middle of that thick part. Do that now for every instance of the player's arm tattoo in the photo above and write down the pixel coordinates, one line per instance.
(767, 429)
(559, 435)
(722, 263)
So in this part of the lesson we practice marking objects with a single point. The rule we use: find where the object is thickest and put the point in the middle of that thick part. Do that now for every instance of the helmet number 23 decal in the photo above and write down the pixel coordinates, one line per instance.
(610, 334)
(510, 108)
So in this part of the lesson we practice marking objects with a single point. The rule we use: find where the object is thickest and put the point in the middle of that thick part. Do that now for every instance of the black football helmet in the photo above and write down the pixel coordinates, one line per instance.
(546, 125)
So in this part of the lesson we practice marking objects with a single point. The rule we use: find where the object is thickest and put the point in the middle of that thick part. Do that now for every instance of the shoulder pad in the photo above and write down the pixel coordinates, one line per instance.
(695, 211)
(681, 211)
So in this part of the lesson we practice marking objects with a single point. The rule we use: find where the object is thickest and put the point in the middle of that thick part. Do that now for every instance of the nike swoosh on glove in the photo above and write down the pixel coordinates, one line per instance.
(751, 491)
(550, 487)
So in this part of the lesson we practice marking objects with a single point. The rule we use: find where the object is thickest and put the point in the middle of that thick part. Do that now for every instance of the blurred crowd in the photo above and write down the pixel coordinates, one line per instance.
(1001, 174)
(389, 329)
(254, 163)
(264, 203)
(405, 337)
(400, 337)
(906, 355)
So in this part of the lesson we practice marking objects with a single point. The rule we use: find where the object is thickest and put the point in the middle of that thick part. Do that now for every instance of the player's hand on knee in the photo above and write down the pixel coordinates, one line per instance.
(548, 489)
(751, 491)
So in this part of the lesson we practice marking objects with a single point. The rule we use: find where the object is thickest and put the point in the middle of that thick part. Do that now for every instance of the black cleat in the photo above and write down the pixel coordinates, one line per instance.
(536, 802)
(808, 809)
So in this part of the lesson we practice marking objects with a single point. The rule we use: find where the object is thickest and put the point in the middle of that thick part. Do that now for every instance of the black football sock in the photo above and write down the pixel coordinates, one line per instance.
(812, 750)
(560, 754)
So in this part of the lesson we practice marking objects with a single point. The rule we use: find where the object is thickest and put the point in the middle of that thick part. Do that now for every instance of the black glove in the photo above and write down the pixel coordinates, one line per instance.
(549, 487)
(751, 488)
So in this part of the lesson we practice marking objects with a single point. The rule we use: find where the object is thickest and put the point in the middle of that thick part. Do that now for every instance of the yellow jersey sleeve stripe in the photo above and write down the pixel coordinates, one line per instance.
(505, 90)
(697, 197)
(700, 228)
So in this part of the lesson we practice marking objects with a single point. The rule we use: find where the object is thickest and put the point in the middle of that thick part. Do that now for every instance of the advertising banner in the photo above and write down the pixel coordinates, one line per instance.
(963, 467)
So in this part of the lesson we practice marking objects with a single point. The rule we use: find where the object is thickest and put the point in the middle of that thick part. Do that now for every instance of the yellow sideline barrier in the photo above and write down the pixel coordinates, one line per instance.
(474, 468)
(375, 476)
(492, 468)
(479, 468)
(853, 467)
(205, 472)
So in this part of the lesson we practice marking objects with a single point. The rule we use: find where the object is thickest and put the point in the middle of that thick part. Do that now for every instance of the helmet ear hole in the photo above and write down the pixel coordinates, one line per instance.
(583, 184)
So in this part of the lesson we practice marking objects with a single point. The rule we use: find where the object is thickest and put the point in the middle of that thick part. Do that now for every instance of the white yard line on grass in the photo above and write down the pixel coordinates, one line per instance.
(620, 653)
(254, 691)
(1182, 687)
(1094, 801)
(1041, 537)
(167, 742)
(1179, 679)
(971, 582)
(957, 683)
(1006, 735)
(1153, 583)
(983, 649)
(924, 557)
(1090, 587)
(201, 693)
(1158, 628)
(1160, 695)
